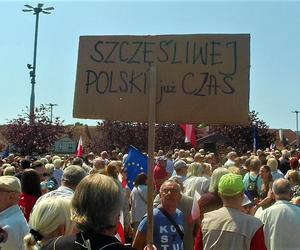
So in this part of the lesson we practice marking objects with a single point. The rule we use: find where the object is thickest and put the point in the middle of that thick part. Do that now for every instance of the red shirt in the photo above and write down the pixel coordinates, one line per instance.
(159, 175)
(26, 204)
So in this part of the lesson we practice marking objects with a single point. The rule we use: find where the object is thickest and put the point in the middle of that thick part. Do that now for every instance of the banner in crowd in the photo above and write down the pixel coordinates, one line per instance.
(200, 78)
(135, 163)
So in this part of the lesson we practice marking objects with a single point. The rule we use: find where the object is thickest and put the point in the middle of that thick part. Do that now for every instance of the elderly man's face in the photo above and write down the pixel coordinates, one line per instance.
(170, 194)
(6, 199)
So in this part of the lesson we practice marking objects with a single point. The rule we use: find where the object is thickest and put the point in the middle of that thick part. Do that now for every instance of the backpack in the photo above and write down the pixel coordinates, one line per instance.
(252, 189)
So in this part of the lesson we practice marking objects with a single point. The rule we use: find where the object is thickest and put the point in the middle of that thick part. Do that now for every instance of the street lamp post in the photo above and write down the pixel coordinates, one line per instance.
(297, 136)
(51, 109)
(32, 67)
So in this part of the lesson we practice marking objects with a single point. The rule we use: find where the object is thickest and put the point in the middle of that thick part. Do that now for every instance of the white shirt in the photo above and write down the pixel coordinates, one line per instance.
(14, 223)
(281, 226)
(193, 183)
(138, 205)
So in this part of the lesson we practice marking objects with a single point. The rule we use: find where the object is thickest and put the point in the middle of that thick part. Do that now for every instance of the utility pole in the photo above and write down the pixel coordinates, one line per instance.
(32, 67)
(297, 135)
(51, 109)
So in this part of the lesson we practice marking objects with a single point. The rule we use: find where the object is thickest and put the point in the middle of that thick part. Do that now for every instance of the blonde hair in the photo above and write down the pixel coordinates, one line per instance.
(215, 178)
(195, 169)
(9, 170)
(97, 202)
(46, 217)
(50, 168)
(273, 164)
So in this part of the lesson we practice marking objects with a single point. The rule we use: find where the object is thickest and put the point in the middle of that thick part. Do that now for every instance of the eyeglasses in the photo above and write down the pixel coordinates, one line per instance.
(45, 174)
(172, 191)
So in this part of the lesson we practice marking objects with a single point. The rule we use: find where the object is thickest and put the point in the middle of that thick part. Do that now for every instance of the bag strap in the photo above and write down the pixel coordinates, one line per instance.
(141, 196)
(174, 223)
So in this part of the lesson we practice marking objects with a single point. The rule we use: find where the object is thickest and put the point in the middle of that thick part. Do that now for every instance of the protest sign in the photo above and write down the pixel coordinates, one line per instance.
(200, 78)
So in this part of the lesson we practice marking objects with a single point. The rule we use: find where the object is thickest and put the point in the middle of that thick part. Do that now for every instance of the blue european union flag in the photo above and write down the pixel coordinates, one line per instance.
(135, 163)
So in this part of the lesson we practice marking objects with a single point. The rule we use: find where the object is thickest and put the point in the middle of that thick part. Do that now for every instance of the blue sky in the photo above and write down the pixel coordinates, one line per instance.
(273, 27)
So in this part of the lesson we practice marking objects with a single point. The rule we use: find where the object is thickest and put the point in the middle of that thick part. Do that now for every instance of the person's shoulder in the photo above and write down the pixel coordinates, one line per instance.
(62, 243)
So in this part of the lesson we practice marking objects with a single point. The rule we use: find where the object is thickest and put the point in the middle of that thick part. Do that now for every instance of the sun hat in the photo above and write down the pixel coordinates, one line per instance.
(231, 185)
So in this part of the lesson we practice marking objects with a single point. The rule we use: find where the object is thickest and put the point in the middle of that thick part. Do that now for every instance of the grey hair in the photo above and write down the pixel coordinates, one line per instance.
(282, 187)
(97, 202)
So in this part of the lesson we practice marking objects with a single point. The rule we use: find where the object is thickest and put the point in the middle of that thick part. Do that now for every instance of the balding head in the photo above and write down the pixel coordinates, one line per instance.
(99, 163)
(282, 189)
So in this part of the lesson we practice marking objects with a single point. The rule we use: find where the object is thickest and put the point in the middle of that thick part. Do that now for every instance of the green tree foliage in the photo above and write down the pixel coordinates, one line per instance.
(33, 138)
(117, 134)
(242, 135)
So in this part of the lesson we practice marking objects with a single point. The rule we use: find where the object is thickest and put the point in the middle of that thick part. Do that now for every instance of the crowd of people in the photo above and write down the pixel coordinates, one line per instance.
(201, 201)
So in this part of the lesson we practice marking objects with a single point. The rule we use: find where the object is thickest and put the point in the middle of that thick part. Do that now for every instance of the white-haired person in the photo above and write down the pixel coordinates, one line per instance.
(50, 218)
(195, 180)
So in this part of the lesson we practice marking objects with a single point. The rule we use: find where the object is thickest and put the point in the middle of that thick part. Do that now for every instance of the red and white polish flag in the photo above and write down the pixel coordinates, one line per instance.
(190, 133)
(79, 151)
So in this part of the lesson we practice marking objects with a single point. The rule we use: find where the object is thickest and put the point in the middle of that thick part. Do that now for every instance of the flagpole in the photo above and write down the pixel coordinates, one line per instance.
(151, 145)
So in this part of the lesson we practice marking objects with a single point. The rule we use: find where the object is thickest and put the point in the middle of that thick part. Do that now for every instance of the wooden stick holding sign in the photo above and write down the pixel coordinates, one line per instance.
(151, 145)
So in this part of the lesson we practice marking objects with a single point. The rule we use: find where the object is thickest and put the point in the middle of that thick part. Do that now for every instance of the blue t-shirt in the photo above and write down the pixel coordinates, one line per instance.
(165, 235)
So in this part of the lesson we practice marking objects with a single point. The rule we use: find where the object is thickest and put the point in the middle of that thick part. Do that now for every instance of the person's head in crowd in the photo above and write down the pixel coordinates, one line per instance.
(235, 170)
(198, 158)
(262, 157)
(141, 179)
(49, 158)
(58, 163)
(99, 163)
(112, 169)
(202, 151)
(49, 219)
(215, 178)
(293, 153)
(50, 169)
(16, 165)
(231, 189)
(282, 189)
(25, 163)
(120, 156)
(40, 168)
(273, 164)
(181, 154)
(285, 154)
(104, 155)
(193, 152)
(10, 189)
(90, 157)
(161, 160)
(195, 169)
(160, 152)
(231, 155)
(99, 193)
(265, 173)
(10, 170)
(175, 155)
(30, 183)
(180, 167)
(44, 160)
(294, 163)
(208, 159)
(254, 165)
(294, 177)
(72, 175)
(77, 161)
(170, 195)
